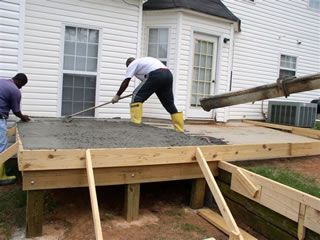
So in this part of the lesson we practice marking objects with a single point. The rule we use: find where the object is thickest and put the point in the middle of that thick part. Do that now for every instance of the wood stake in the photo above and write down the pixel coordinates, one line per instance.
(223, 207)
(93, 197)
(301, 227)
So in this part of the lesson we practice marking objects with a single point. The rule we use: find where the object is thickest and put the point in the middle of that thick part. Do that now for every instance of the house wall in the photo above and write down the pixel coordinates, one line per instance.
(43, 50)
(182, 26)
(268, 29)
(9, 37)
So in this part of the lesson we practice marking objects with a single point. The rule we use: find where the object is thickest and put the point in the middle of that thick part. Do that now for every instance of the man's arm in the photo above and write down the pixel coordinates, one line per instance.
(24, 118)
(123, 87)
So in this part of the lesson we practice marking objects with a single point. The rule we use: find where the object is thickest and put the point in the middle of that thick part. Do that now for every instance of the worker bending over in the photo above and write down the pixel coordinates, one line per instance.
(10, 97)
(155, 78)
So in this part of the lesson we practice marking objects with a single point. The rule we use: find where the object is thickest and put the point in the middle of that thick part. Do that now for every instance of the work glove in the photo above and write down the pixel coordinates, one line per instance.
(115, 98)
(25, 118)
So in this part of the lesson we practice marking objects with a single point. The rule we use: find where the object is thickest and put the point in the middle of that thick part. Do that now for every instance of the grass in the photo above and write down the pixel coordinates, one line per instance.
(317, 126)
(289, 178)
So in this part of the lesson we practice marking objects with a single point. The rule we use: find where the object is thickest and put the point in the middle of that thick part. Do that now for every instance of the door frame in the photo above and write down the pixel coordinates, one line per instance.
(211, 114)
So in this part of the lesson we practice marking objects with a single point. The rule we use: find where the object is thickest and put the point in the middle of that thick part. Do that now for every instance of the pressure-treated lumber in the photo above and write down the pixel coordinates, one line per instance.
(8, 153)
(11, 131)
(34, 160)
(246, 182)
(223, 207)
(306, 132)
(301, 228)
(280, 198)
(198, 190)
(47, 179)
(131, 202)
(93, 197)
(216, 220)
(34, 213)
(268, 91)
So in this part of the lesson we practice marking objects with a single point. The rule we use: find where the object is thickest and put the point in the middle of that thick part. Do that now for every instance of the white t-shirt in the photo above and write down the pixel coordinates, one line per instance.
(141, 67)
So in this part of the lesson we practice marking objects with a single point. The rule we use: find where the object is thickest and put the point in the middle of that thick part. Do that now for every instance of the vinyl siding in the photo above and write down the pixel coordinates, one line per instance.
(269, 29)
(43, 50)
(9, 37)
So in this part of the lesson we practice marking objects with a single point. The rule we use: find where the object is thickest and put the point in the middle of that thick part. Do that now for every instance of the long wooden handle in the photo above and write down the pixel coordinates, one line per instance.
(91, 108)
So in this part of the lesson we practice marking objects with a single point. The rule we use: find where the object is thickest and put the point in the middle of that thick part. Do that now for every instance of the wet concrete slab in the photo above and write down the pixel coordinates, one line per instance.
(90, 133)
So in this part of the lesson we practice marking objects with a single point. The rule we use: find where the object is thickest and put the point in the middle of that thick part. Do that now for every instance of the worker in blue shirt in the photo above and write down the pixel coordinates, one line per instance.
(10, 97)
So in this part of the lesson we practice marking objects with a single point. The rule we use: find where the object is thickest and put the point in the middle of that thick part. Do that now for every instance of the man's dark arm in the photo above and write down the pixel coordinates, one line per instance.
(123, 86)
(24, 118)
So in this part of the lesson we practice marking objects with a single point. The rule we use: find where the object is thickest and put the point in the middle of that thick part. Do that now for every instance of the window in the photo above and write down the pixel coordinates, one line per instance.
(314, 4)
(288, 66)
(79, 70)
(158, 44)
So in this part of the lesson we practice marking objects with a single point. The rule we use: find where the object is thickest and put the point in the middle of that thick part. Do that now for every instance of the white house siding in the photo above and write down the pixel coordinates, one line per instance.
(161, 19)
(271, 28)
(43, 50)
(206, 25)
(9, 37)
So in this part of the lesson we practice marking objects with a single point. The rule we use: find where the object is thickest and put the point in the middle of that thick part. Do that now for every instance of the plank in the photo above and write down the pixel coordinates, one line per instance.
(301, 228)
(93, 197)
(47, 179)
(8, 153)
(198, 190)
(216, 220)
(32, 160)
(131, 203)
(34, 213)
(223, 207)
(11, 131)
(246, 182)
(280, 198)
(306, 132)
(267, 91)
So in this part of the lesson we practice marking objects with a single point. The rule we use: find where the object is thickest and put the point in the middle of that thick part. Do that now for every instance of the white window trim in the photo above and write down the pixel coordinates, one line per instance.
(169, 44)
(62, 71)
(312, 8)
(289, 69)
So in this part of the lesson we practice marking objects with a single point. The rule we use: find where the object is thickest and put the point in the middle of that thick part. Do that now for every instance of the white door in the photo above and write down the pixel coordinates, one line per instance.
(203, 74)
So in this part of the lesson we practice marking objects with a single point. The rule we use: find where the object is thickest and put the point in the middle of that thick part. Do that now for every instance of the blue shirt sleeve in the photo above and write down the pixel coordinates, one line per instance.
(15, 101)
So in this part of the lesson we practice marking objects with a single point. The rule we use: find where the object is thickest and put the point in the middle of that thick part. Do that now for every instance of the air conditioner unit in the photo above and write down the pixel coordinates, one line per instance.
(297, 114)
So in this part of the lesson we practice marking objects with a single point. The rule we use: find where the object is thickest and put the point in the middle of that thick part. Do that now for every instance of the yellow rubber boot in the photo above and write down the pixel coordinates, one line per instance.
(136, 112)
(177, 121)
(4, 179)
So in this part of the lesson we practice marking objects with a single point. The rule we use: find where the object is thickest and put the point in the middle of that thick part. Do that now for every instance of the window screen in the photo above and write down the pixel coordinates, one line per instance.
(158, 44)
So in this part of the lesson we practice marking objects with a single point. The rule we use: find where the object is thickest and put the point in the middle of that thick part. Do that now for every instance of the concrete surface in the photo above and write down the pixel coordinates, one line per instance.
(90, 133)
(244, 133)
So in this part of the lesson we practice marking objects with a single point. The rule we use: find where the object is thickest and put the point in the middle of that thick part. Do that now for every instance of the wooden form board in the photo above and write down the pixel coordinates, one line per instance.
(35, 160)
(306, 132)
(278, 197)
(8, 153)
(52, 179)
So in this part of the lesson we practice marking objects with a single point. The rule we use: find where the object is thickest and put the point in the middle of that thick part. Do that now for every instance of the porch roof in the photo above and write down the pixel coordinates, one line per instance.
(210, 7)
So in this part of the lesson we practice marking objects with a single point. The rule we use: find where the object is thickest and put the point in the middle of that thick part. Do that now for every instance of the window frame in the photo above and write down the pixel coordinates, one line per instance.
(285, 68)
(168, 43)
(313, 8)
(76, 72)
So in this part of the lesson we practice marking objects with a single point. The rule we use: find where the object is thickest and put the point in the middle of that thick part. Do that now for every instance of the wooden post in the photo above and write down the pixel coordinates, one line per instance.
(198, 189)
(131, 203)
(301, 227)
(93, 197)
(34, 214)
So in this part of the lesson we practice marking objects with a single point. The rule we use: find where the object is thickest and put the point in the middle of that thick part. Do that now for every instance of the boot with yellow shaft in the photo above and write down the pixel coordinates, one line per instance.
(177, 121)
(4, 179)
(136, 112)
